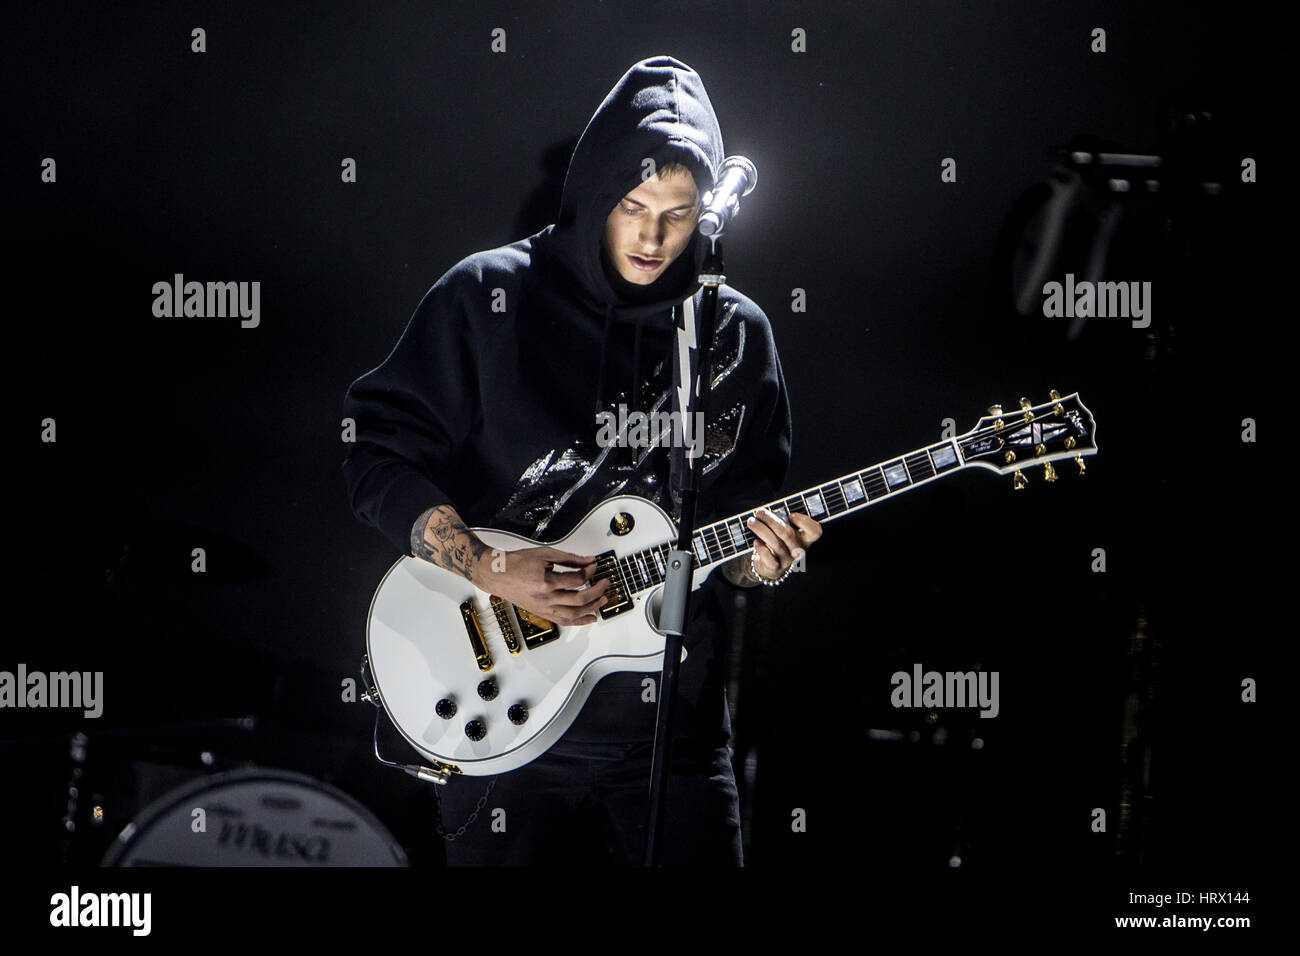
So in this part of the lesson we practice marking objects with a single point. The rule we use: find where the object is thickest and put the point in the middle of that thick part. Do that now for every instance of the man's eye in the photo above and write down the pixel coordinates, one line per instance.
(630, 210)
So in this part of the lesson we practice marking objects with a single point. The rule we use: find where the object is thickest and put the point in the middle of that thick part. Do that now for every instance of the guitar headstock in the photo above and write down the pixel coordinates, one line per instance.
(1008, 442)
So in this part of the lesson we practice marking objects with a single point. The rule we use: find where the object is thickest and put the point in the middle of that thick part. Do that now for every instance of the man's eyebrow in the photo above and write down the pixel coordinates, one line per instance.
(687, 205)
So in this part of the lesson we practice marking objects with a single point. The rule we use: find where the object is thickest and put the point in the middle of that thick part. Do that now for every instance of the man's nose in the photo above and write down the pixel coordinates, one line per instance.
(652, 233)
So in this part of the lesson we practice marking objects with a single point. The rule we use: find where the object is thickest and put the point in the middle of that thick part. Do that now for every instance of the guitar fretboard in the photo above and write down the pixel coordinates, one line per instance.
(732, 536)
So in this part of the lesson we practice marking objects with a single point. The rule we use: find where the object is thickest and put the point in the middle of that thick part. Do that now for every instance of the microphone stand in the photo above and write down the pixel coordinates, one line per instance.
(681, 560)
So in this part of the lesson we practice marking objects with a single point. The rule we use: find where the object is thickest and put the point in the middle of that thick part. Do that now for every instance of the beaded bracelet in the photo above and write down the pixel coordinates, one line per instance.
(754, 568)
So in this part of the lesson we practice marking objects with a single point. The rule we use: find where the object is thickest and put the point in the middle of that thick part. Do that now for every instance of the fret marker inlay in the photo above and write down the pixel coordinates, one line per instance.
(896, 475)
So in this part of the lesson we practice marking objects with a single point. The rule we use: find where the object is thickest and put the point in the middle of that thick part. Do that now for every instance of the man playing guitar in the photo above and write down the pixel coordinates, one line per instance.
(484, 415)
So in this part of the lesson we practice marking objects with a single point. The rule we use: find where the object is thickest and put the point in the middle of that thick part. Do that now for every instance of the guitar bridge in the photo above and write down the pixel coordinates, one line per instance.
(475, 633)
(501, 610)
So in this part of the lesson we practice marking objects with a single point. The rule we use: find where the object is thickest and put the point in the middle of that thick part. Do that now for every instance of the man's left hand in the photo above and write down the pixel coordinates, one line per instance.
(780, 545)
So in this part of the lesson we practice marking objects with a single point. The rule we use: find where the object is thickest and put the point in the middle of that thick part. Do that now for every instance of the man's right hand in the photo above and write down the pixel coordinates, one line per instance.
(525, 577)
(528, 578)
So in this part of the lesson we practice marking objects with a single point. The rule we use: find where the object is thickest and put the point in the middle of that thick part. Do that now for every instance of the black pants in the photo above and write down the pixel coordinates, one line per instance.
(588, 806)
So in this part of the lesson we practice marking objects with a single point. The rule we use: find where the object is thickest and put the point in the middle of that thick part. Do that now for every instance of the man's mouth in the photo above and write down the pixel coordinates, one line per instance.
(644, 264)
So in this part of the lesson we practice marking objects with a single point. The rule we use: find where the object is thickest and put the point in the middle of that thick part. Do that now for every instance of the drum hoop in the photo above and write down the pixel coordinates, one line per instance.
(172, 798)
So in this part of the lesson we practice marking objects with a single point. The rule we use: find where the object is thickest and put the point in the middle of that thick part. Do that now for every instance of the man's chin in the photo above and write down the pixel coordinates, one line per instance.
(641, 278)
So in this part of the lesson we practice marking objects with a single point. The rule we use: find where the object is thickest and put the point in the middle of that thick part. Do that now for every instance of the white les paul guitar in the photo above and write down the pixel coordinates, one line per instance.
(479, 686)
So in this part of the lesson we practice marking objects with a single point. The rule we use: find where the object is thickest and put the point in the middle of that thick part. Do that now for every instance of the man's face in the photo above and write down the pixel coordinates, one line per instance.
(651, 226)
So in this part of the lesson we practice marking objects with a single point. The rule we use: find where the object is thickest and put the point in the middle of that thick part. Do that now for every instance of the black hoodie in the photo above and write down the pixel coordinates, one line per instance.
(488, 401)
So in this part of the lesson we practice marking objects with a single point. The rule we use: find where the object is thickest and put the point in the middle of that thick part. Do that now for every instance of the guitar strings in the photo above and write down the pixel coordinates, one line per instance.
(629, 569)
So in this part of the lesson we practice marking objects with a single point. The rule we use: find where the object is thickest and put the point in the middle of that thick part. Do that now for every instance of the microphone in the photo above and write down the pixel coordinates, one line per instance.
(736, 178)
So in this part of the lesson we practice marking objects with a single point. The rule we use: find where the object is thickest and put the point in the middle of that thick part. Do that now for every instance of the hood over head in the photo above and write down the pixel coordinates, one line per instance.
(657, 110)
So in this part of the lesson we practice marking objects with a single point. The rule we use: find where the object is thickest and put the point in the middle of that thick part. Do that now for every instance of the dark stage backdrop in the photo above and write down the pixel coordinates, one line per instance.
(1121, 689)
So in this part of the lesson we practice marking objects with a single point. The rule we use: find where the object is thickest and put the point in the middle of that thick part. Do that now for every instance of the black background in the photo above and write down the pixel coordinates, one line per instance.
(175, 434)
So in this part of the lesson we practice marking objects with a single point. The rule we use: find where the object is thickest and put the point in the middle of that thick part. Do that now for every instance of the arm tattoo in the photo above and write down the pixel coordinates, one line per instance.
(440, 537)
(739, 572)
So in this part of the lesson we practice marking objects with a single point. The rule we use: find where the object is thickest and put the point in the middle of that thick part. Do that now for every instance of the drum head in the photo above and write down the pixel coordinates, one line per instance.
(255, 818)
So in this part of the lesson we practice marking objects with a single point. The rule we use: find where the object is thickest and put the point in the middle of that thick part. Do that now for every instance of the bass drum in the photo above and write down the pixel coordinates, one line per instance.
(255, 818)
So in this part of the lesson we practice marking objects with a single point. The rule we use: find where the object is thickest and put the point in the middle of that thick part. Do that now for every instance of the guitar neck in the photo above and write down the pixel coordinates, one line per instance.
(725, 539)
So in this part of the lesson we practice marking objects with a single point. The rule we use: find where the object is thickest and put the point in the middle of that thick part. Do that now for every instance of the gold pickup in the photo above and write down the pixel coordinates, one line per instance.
(607, 567)
(537, 630)
(476, 636)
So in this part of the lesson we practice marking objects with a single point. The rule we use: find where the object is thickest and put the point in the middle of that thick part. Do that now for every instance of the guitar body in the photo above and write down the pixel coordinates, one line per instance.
(479, 686)
(421, 651)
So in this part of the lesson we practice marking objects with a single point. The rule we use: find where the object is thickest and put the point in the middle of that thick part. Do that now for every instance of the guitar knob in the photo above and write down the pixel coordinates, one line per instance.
(517, 713)
(445, 708)
(1078, 460)
(1049, 473)
(487, 689)
(1018, 480)
(476, 730)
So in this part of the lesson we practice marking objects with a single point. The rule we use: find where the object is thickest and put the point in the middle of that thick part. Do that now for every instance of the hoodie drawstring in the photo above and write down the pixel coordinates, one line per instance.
(636, 367)
(636, 384)
(604, 353)
(604, 359)
(629, 453)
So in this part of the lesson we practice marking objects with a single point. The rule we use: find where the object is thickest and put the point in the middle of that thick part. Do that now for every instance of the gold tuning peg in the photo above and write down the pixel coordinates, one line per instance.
(1025, 403)
(1054, 395)
(1078, 460)
(1018, 480)
(1049, 473)
(995, 410)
